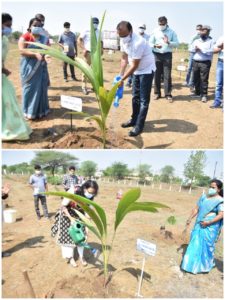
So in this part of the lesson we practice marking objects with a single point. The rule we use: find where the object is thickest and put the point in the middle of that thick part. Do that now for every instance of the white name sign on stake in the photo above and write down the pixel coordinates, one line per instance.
(181, 68)
(71, 103)
(148, 249)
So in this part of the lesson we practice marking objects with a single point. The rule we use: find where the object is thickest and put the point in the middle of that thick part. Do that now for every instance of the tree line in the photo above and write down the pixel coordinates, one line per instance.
(56, 162)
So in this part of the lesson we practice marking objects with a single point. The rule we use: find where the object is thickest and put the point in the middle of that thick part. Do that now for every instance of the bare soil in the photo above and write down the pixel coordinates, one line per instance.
(33, 249)
(184, 124)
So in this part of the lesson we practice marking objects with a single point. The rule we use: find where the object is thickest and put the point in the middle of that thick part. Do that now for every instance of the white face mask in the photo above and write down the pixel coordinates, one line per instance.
(141, 30)
(162, 27)
(38, 172)
(88, 195)
(126, 39)
(95, 26)
(67, 29)
(198, 32)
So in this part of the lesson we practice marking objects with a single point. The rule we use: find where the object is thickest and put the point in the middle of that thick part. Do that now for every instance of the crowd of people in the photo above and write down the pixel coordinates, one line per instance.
(149, 58)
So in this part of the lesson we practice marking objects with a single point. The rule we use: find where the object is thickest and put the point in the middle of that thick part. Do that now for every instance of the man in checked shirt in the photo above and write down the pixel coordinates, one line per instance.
(70, 179)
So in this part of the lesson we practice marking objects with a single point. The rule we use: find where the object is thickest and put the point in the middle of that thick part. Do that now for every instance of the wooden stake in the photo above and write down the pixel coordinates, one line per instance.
(27, 279)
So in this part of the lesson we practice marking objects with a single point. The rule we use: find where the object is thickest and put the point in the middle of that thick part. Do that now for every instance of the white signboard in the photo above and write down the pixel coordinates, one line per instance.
(146, 247)
(181, 68)
(71, 103)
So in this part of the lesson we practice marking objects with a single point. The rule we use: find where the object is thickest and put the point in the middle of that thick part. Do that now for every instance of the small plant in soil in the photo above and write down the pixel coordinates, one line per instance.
(98, 219)
(94, 73)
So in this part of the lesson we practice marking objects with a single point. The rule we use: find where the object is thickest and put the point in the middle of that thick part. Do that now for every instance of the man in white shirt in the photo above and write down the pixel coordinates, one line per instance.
(84, 41)
(141, 31)
(138, 53)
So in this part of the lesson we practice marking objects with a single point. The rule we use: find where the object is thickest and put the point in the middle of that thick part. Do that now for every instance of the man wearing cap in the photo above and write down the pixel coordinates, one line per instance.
(38, 182)
(84, 41)
(202, 58)
(189, 77)
(141, 31)
(68, 42)
(218, 100)
(163, 40)
(138, 52)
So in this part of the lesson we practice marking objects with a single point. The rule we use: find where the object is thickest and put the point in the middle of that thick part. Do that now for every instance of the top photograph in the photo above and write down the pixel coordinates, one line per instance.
(108, 75)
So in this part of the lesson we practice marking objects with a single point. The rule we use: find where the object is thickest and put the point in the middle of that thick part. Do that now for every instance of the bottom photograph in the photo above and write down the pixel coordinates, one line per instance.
(112, 224)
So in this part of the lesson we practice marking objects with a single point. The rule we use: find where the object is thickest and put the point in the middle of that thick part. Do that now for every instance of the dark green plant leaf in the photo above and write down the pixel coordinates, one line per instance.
(127, 199)
(99, 220)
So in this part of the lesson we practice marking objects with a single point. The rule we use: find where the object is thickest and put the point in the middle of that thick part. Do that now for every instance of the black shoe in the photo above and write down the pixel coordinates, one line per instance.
(6, 254)
(215, 106)
(75, 79)
(66, 80)
(127, 124)
(135, 131)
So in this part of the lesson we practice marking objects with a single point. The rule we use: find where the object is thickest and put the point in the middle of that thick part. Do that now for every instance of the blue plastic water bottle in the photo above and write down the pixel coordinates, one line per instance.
(119, 92)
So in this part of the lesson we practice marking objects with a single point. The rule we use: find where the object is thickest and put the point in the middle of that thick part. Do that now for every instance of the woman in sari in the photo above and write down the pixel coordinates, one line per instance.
(14, 126)
(34, 73)
(199, 256)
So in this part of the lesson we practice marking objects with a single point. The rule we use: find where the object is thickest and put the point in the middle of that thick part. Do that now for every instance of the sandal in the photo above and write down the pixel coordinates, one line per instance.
(84, 263)
(73, 263)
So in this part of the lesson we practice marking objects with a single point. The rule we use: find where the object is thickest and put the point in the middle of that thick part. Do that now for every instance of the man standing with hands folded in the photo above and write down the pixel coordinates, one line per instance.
(138, 53)
(162, 41)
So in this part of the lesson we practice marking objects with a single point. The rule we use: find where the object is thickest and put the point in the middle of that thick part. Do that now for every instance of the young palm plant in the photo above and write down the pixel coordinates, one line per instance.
(98, 221)
(94, 73)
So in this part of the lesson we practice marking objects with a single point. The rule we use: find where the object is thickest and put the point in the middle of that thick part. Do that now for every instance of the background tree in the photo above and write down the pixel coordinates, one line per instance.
(88, 168)
(51, 160)
(167, 173)
(144, 170)
(117, 170)
(203, 180)
(194, 167)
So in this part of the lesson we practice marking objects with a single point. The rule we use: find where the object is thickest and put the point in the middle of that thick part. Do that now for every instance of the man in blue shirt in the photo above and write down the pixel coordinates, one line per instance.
(163, 40)
(68, 42)
(202, 49)
(218, 100)
(39, 184)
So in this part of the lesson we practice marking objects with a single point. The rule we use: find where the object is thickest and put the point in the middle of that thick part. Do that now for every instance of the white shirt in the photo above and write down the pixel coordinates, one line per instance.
(86, 37)
(139, 48)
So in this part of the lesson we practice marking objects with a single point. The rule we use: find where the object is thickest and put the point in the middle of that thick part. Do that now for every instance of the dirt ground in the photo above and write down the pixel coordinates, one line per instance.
(33, 249)
(186, 123)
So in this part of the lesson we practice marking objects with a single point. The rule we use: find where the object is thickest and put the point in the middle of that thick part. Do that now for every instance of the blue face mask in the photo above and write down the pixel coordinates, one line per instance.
(212, 192)
(6, 31)
(37, 31)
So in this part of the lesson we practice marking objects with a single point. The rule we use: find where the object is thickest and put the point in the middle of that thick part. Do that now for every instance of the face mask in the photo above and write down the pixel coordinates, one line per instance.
(42, 23)
(203, 36)
(95, 26)
(88, 195)
(72, 172)
(37, 30)
(198, 32)
(162, 27)
(126, 39)
(212, 192)
(6, 31)
(67, 29)
(38, 172)
(141, 30)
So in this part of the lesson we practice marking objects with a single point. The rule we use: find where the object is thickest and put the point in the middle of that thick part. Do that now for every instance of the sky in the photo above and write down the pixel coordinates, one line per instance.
(182, 16)
(104, 158)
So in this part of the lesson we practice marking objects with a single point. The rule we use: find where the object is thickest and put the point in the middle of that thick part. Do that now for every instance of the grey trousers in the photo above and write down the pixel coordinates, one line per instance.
(43, 203)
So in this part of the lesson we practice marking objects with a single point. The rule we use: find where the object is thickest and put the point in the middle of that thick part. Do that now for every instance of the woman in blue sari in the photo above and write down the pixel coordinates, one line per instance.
(199, 256)
(34, 73)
